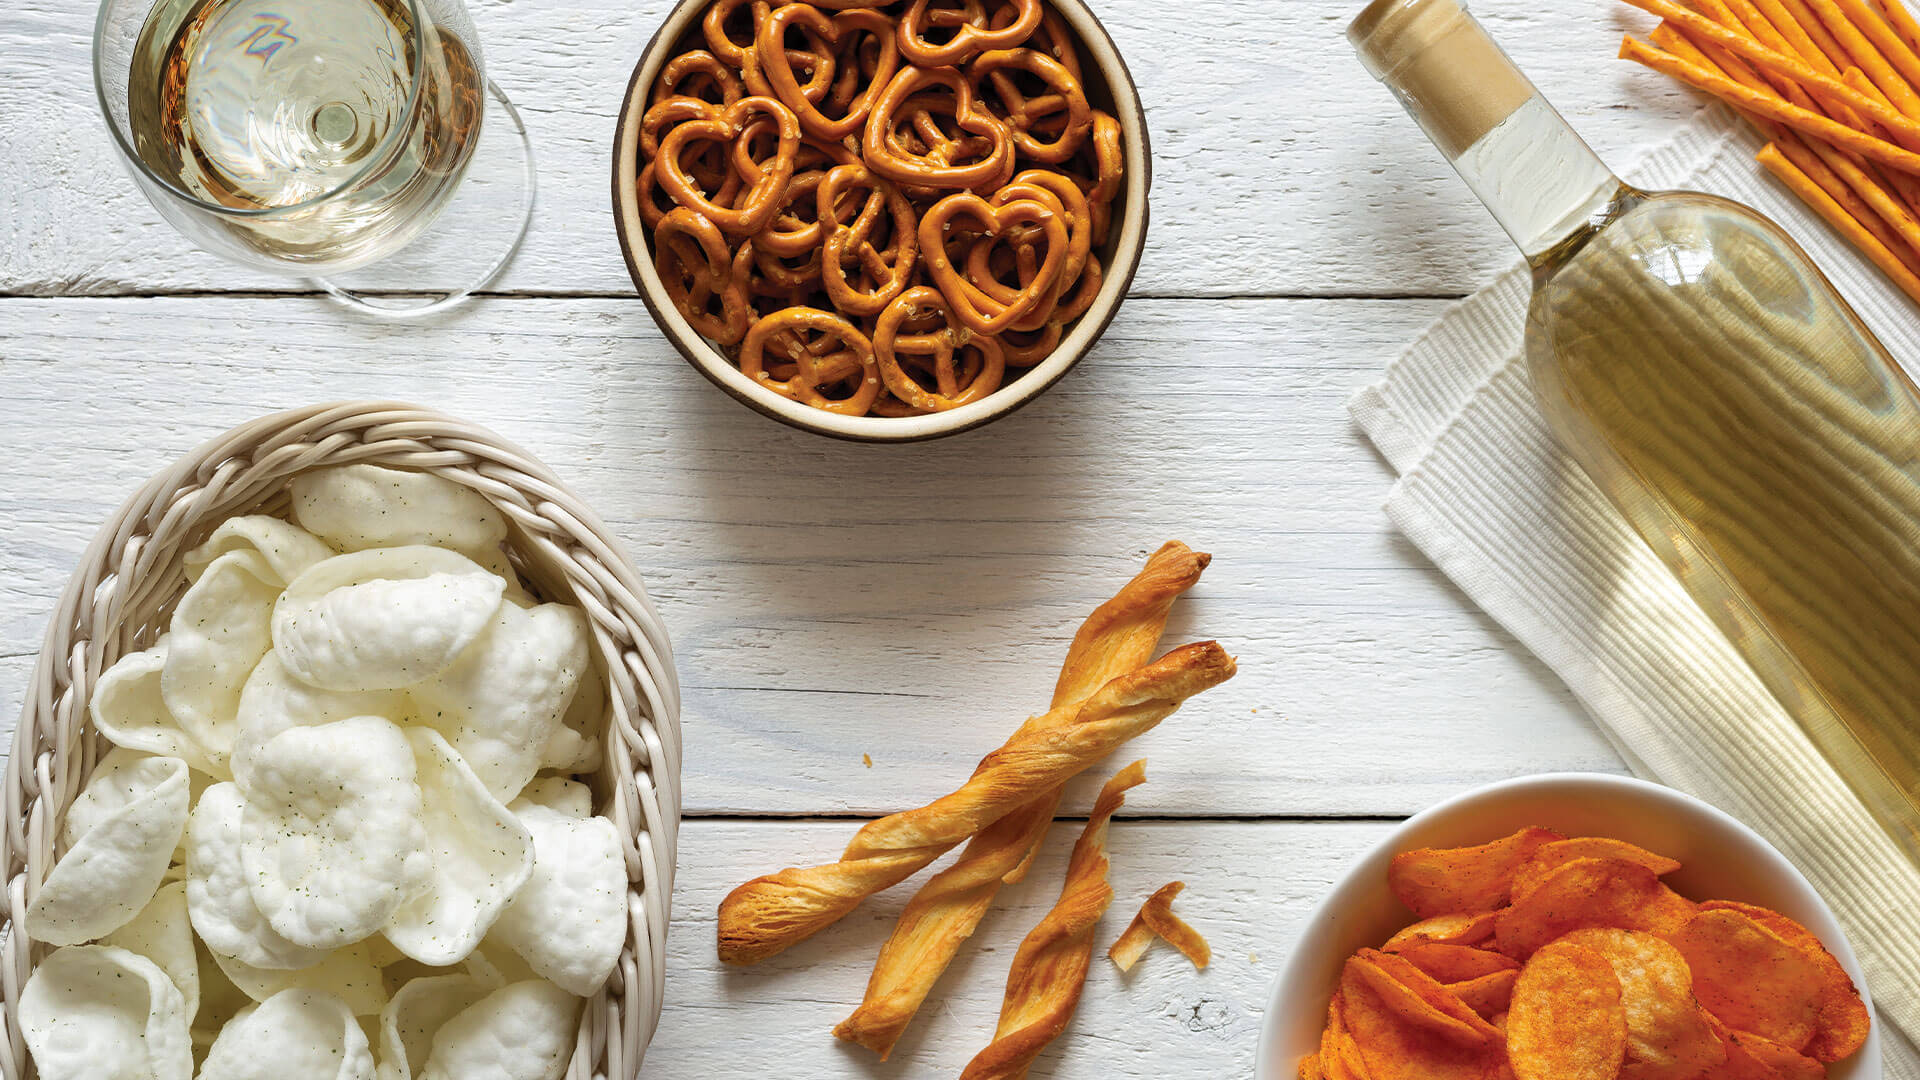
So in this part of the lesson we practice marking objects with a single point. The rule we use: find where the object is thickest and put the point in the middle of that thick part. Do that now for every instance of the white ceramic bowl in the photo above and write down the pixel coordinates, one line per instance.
(1721, 858)
(1109, 86)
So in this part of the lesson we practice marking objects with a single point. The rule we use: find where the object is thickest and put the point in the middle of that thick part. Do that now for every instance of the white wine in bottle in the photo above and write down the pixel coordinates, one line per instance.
(269, 107)
(1711, 381)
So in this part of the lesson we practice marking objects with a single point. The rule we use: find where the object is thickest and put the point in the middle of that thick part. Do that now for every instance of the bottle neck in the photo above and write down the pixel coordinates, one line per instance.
(1536, 175)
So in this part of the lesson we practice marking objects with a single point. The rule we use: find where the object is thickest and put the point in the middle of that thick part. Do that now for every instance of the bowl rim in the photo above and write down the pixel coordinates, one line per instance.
(1131, 228)
(1273, 1059)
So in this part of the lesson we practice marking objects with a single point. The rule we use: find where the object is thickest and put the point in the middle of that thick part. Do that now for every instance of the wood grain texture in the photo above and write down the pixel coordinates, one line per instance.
(1281, 168)
(1249, 889)
(912, 603)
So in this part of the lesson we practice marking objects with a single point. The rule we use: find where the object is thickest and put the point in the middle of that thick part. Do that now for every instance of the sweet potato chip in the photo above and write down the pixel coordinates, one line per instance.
(1844, 1022)
(1454, 963)
(1488, 995)
(1421, 998)
(1590, 892)
(1667, 1038)
(1389, 1047)
(1567, 1021)
(1781, 1061)
(1446, 930)
(1448, 881)
(1752, 979)
(1561, 852)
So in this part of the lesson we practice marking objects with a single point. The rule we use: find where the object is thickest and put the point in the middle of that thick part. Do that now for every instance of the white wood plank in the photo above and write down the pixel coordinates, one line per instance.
(1249, 887)
(1280, 167)
(911, 603)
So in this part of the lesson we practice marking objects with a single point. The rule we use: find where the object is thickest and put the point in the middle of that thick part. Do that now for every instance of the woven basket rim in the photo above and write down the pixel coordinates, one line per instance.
(129, 574)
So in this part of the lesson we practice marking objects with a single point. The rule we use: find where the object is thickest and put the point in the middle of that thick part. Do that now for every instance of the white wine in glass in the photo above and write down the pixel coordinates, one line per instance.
(314, 136)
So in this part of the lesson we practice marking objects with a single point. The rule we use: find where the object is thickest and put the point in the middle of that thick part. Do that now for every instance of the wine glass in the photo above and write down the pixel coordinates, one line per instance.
(351, 141)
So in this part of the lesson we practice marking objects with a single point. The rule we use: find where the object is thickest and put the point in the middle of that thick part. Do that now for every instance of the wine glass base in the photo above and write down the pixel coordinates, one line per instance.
(471, 240)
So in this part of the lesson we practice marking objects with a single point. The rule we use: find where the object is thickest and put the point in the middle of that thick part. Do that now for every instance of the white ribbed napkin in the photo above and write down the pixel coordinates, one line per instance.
(1490, 497)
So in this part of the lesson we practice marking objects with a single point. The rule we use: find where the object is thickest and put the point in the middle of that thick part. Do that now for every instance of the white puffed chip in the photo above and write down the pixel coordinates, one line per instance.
(524, 1031)
(415, 1013)
(383, 618)
(331, 836)
(570, 920)
(220, 630)
(568, 751)
(481, 852)
(218, 901)
(347, 973)
(122, 830)
(95, 1012)
(293, 1035)
(502, 700)
(273, 701)
(128, 709)
(162, 934)
(570, 797)
(287, 548)
(366, 506)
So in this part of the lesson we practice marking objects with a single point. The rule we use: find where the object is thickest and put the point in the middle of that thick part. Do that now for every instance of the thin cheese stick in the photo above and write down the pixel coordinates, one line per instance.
(1050, 969)
(765, 916)
(1824, 205)
(1802, 120)
(1788, 26)
(1907, 187)
(1867, 56)
(1802, 157)
(1118, 637)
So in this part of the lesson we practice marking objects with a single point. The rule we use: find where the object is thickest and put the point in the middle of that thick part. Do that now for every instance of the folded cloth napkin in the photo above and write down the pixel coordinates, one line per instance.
(1487, 494)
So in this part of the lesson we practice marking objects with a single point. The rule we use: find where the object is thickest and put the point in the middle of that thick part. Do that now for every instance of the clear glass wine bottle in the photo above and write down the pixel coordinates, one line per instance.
(1713, 384)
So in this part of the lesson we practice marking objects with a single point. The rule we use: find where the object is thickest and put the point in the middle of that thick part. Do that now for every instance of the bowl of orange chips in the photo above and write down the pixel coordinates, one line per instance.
(1573, 927)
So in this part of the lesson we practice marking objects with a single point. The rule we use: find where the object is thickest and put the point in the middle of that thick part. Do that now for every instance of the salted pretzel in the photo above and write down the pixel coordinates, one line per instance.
(695, 266)
(955, 384)
(973, 32)
(879, 207)
(772, 58)
(814, 373)
(754, 208)
(888, 269)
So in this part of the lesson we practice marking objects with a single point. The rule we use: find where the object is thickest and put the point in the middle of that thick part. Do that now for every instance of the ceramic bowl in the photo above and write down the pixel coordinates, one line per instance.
(1109, 86)
(1721, 858)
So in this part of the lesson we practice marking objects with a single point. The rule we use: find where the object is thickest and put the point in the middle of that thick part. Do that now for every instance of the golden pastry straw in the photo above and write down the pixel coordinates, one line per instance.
(768, 914)
(1050, 970)
(1118, 637)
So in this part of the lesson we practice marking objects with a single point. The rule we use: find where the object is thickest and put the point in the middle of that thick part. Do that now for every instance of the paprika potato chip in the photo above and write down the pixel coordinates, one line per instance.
(1389, 1047)
(1751, 978)
(1446, 930)
(1561, 852)
(1488, 995)
(1567, 1021)
(1843, 1023)
(1419, 998)
(1590, 892)
(1454, 963)
(1446, 881)
(1667, 1038)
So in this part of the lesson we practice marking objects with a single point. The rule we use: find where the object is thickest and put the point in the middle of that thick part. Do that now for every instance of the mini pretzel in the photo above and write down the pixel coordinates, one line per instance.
(969, 37)
(884, 155)
(1024, 114)
(815, 373)
(771, 55)
(693, 65)
(973, 306)
(889, 270)
(694, 265)
(942, 347)
(668, 111)
(756, 206)
(1061, 194)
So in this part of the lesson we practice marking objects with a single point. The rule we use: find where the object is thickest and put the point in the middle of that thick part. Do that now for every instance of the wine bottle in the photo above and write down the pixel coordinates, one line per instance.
(1709, 379)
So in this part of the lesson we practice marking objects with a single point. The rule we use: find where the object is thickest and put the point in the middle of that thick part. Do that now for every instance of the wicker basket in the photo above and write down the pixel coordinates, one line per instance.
(128, 580)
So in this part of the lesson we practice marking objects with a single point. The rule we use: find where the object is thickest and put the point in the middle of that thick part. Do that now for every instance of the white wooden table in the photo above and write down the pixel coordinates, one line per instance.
(830, 601)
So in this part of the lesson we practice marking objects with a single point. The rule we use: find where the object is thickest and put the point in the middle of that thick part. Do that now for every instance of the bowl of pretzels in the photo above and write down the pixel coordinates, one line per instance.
(882, 221)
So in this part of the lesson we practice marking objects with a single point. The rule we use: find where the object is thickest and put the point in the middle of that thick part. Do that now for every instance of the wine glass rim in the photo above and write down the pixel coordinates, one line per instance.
(416, 54)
